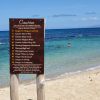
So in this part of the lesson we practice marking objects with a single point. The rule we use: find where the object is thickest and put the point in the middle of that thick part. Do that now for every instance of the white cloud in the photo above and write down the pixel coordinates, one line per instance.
(90, 18)
(94, 18)
(84, 19)
(90, 13)
(65, 15)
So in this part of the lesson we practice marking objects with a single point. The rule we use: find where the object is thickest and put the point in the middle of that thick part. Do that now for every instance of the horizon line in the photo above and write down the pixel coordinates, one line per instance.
(60, 28)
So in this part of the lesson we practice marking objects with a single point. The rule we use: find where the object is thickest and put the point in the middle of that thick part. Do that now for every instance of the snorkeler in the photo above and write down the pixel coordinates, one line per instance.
(69, 44)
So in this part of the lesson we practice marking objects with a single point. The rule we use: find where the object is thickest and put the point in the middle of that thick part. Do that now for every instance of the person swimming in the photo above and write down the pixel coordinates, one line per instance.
(69, 44)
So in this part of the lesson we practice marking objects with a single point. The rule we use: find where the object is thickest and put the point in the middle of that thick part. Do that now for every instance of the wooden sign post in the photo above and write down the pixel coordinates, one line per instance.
(26, 53)
(40, 87)
(14, 94)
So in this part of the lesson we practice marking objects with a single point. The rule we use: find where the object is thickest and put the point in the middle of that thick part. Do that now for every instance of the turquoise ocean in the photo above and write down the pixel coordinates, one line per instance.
(83, 53)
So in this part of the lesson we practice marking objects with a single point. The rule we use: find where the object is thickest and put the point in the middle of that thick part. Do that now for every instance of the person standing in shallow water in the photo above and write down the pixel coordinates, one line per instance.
(69, 44)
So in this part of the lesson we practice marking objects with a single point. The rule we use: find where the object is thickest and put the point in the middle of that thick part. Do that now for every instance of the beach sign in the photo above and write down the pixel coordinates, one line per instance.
(26, 53)
(26, 46)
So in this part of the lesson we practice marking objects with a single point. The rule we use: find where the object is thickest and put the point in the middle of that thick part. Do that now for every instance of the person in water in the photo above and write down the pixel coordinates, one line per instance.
(69, 44)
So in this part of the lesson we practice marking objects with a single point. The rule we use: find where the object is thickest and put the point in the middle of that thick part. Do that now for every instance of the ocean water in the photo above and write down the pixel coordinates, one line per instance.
(83, 53)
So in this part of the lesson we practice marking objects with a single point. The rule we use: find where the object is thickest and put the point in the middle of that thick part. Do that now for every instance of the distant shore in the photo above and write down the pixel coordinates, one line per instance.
(77, 86)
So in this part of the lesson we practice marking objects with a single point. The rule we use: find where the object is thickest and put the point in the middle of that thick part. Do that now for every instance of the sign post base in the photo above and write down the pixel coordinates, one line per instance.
(40, 87)
(14, 82)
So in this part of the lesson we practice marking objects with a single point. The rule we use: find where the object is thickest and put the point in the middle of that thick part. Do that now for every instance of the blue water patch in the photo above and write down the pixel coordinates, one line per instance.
(66, 50)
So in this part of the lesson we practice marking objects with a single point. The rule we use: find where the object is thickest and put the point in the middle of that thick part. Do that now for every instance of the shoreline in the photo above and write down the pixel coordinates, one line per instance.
(78, 86)
(53, 77)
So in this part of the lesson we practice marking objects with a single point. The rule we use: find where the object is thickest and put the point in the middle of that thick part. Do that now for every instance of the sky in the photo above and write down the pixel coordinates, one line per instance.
(58, 13)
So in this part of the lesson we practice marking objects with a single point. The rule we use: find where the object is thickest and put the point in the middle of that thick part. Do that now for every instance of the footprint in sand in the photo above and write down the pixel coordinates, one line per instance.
(90, 78)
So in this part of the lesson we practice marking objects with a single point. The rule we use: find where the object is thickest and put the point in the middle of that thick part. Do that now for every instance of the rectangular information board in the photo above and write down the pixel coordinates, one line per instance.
(26, 46)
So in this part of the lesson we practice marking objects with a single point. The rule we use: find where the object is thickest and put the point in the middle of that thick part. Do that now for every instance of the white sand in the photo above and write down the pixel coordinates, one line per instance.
(80, 86)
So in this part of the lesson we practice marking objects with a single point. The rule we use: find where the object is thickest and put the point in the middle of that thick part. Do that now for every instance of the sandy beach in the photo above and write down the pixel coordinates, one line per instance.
(79, 86)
